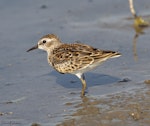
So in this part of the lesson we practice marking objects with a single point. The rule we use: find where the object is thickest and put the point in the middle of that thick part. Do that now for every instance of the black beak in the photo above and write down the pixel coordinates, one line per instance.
(35, 47)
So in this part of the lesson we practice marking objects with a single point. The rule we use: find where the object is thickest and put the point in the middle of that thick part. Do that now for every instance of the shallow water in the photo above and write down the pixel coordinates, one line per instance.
(31, 91)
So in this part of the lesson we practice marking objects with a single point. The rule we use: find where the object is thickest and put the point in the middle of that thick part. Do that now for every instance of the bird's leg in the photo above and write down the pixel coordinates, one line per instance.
(83, 84)
(82, 78)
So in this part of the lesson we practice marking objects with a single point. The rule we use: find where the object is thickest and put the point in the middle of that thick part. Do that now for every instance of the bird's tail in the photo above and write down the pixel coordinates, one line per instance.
(114, 54)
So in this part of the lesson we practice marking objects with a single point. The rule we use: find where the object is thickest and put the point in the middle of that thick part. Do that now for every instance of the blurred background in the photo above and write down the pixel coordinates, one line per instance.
(32, 93)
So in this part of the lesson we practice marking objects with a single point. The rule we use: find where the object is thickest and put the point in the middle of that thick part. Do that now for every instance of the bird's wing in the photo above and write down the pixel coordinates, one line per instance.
(70, 57)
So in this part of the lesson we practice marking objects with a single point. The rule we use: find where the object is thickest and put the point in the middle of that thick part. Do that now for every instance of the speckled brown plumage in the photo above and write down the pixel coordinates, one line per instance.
(75, 58)
(70, 58)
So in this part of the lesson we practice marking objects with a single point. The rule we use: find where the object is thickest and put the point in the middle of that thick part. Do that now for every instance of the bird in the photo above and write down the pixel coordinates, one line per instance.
(74, 58)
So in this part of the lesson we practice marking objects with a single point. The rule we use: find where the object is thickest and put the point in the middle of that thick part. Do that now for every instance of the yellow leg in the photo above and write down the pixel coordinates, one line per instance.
(82, 78)
(83, 87)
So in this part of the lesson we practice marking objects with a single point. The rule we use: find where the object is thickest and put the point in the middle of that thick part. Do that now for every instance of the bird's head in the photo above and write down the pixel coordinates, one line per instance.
(47, 42)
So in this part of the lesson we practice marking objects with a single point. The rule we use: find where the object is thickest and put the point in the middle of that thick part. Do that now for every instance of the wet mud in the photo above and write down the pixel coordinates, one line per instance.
(33, 94)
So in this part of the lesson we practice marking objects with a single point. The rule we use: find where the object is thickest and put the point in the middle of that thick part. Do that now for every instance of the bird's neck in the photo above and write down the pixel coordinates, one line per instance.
(52, 47)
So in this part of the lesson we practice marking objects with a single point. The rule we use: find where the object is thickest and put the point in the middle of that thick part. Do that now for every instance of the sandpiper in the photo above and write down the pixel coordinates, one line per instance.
(76, 58)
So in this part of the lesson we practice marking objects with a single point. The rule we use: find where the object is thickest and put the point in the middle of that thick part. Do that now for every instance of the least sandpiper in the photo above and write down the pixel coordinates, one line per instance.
(76, 58)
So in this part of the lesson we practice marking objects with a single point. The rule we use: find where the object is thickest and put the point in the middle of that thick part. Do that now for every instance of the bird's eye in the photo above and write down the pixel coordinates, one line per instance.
(44, 41)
